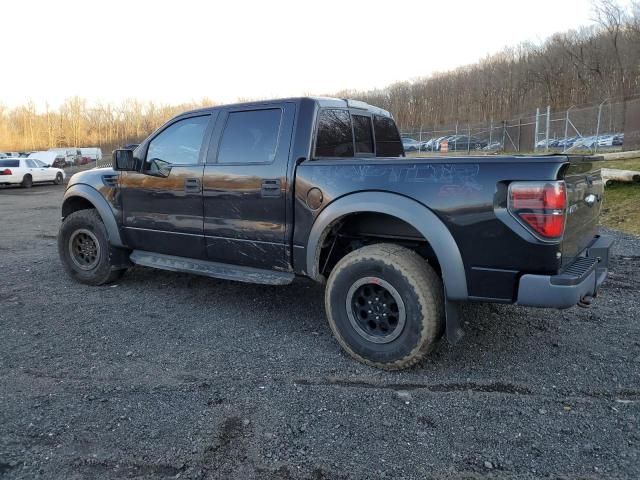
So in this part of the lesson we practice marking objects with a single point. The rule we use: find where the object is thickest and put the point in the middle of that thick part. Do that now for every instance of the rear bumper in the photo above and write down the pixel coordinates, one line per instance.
(579, 280)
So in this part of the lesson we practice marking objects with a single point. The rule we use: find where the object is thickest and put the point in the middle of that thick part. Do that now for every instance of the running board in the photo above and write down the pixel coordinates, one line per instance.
(210, 269)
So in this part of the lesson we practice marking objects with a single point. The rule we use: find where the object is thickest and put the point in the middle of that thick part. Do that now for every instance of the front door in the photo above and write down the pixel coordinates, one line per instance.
(245, 186)
(162, 206)
(36, 172)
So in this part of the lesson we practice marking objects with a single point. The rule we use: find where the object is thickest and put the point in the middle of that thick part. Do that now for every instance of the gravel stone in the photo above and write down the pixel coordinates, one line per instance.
(235, 381)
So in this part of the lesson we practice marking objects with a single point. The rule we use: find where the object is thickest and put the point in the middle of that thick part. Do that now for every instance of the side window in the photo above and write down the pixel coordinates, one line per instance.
(388, 142)
(31, 164)
(362, 132)
(250, 136)
(334, 137)
(180, 143)
(39, 163)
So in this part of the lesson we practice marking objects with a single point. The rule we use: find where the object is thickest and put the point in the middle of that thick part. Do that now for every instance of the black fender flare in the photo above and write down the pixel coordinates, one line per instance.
(102, 207)
(406, 209)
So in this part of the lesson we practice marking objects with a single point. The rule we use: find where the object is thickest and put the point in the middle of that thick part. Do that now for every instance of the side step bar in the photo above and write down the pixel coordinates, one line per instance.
(210, 269)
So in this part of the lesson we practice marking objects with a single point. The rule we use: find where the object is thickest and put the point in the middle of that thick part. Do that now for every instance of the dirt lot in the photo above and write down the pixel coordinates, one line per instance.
(168, 375)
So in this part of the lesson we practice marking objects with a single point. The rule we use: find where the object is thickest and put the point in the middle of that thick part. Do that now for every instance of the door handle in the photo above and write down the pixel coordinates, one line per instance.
(192, 185)
(270, 188)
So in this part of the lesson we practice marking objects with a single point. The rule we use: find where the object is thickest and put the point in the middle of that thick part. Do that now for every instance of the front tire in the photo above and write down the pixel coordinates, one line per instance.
(385, 306)
(84, 249)
(27, 181)
(58, 179)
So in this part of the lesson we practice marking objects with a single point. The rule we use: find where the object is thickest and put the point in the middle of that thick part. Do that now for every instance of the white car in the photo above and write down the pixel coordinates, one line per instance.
(27, 171)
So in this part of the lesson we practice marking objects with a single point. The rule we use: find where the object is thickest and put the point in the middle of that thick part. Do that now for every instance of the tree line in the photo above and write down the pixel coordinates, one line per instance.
(584, 66)
(577, 67)
(76, 123)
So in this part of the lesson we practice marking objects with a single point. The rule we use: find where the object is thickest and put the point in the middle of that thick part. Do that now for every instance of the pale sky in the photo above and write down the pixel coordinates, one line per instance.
(178, 51)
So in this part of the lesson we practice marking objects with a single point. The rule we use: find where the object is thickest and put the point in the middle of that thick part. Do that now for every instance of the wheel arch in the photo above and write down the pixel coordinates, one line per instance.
(80, 196)
(411, 212)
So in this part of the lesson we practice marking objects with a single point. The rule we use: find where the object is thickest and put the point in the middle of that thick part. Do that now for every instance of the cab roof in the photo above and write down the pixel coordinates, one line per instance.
(322, 102)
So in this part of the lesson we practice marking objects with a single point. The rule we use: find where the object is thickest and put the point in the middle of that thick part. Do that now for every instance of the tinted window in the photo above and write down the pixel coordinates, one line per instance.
(180, 143)
(9, 163)
(388, 142)
(362, 132)
(335, 138)
(250, 137)
(31, 164)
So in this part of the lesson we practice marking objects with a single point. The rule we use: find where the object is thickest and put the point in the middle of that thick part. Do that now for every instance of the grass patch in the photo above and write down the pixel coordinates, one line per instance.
(631, 164)
(621, 209)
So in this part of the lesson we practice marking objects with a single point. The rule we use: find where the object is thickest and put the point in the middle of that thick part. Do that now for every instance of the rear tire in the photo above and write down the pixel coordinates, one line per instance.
(385, 306)
(84, 249)
(27, 181)
(58, 179)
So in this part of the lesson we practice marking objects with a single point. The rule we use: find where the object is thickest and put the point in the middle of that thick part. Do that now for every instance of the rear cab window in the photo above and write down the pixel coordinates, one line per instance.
(341, 133)
(9, 163)
(388, 143)
(334, 134)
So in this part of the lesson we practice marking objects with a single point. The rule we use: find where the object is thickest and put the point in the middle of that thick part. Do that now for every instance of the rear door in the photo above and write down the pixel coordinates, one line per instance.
(245, 185)
(585, 189)
(37, 173)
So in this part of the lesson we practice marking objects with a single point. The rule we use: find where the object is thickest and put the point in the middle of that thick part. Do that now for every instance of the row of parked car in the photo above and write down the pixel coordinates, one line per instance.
(463, 143)
(60, 157)
(455, 143)
(588, 142)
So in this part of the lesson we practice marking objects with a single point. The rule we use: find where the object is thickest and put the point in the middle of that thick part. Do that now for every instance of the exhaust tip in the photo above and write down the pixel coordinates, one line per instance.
(585, 302)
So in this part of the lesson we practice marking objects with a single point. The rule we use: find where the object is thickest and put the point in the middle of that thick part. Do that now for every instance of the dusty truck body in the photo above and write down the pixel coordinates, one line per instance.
(267, 191)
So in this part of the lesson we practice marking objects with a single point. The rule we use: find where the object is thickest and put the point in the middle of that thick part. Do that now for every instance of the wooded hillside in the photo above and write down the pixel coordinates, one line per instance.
(571, 68)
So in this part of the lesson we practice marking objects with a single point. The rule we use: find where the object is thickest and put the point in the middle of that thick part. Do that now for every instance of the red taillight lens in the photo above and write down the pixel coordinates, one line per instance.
(551, 196)
(550, 226)
(540, 205)
(6, 171)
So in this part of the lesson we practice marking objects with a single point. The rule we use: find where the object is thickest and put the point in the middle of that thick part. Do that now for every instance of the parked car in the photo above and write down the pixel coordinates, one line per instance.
(492, 146)
(300, 187)
(436, 145)
(618, 139)
(51, 158)
(429, 145)
(565, 143)
(459, 143)
(27, 171)
(91, 154)
(410, 144)
(10, 154)
(71, 155)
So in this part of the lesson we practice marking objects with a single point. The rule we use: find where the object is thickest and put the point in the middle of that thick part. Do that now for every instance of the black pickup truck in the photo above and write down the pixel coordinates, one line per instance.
(318, 187)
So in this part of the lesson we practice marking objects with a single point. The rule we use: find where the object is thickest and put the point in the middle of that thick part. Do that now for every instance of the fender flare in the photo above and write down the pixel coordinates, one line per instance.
(410, 211)
(102, 207)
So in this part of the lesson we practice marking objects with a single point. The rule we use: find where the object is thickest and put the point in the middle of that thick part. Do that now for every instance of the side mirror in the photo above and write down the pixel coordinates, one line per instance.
(123, 160)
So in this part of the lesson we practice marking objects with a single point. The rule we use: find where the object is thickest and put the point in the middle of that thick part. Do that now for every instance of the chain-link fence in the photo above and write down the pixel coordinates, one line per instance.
(608, 126)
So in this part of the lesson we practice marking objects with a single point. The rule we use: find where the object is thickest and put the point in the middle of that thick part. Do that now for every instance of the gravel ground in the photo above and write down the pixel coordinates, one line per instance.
(168, 375)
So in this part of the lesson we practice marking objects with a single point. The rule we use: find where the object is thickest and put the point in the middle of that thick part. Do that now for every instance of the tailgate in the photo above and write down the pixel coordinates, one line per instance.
(584, 200)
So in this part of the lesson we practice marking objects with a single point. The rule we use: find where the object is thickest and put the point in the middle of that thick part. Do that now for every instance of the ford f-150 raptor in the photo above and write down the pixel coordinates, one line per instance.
(318, 187)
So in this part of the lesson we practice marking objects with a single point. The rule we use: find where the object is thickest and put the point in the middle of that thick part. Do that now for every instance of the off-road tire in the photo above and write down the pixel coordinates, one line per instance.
(414, 281)
(103, 272)
(27, 181)
(58, 179)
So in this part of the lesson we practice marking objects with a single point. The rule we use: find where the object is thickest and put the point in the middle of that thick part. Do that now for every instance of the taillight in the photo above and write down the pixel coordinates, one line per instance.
(541, 206)
(6, 171)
